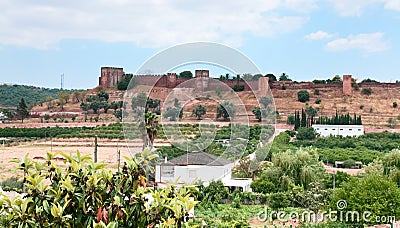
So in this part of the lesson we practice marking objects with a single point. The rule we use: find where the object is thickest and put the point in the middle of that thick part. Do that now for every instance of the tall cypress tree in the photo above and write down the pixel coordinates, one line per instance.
(22, 109)
(296, 120)
(303, 118)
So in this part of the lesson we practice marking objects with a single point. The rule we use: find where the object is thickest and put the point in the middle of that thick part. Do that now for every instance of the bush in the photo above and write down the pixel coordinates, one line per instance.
(361, 106)
(316, 91)
(303, 96)
(238, 88)
(12, 184)
(394, 105)
(349, 163)
(366, 91)
(318, 101)
(304, 133)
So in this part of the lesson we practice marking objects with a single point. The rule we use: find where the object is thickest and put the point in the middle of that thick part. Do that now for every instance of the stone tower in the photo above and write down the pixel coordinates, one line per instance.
(171, 80)
(263, 86)
(110, 76)
(347, 88)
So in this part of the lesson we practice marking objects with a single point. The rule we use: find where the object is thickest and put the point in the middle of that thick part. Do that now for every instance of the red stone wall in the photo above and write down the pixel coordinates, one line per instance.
(347, 88)
(110, 76)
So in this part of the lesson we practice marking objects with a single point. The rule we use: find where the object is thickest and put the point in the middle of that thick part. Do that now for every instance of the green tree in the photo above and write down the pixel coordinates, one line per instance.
(303, 96)
(373, 193)
(63, 98)
(265, 101)
(186, 74)
(290, 119)
(124, 82)
(22, 110)
(272, 77)
(284, 77)
(95, 106)
(257, 113)
(304, 133)
(103, 95)
(366, 91)
(172, 113)
(303, 122)
(199, 111)
(226, 110)
(279, 200)
(139, 101)
(335, 80)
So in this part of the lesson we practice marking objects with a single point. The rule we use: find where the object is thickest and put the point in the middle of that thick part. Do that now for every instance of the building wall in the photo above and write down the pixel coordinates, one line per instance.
(191, 173)
(343, 130)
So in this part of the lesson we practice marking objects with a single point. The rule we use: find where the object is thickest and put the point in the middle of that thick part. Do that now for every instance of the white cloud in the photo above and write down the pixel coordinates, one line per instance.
(319, 35)
(368, 43)
(301, 5)
(351, 7)
(392, 5)
(356, 7)
(150, 23)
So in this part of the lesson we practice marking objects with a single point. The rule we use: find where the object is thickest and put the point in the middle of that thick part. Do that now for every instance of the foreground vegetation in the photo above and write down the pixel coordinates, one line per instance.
(85, 194)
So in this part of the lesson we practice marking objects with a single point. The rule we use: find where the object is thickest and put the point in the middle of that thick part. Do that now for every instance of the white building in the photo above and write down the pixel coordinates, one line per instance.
(198, 166)
(343, 130)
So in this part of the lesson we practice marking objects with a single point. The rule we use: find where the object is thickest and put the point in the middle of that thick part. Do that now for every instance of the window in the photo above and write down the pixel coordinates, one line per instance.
(192, 174)
(167, 171)
(350, 129)
(341, 129)
(359, 129)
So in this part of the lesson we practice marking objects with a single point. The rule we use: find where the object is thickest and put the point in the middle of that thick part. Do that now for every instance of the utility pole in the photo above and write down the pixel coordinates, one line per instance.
(62, 81)
(119, 159)
(95, 148)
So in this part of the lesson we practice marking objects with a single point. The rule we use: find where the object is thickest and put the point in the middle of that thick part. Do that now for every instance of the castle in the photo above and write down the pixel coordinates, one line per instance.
(110, 76)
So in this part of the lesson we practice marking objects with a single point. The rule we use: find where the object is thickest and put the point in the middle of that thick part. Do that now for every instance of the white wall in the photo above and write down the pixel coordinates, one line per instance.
(191, 173)
(343, 130)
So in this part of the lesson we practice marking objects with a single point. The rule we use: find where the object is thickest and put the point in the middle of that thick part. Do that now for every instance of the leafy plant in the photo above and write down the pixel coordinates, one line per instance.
(85, 194)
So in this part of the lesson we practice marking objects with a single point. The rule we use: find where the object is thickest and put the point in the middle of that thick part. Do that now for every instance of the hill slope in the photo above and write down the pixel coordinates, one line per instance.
(10, 95)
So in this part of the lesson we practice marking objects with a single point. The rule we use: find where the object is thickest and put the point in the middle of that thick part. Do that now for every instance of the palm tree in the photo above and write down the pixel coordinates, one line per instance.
(151, 125)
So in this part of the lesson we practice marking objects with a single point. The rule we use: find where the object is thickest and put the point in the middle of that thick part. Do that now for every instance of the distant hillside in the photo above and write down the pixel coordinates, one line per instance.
(10, 95)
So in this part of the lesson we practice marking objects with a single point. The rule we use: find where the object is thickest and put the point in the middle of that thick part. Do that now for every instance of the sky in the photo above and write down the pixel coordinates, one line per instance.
(306, 39)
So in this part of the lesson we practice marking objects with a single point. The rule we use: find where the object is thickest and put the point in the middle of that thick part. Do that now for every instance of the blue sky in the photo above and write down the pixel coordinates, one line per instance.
(307, 39)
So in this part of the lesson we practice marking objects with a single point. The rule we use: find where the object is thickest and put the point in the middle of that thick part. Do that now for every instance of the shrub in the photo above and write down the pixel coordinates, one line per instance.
(394, 105)
(12, 184)
(361, 106)
(316, 91)
(366, 91)
(349, 163)
(238, 88)
(318, 101)
(303, 96)
(304, 133)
